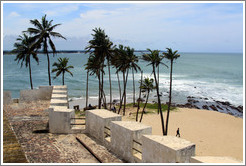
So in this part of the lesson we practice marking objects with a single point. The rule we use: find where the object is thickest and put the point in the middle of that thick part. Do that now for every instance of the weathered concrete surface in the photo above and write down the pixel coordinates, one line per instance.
(59, 96)
(58, 102)
(213, 159)
(98, 149)
(7, 99)
(43, 93)
(60, 119)
(60, 87)
(122, 135)
(59, 91)
(166, 149)
(97, 120)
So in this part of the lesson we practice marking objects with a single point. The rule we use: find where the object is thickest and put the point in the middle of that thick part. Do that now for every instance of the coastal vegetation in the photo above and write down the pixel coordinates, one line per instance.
(61, 68)
(42, 33)
(147, 85)
(170, 55)
(24, 53)
(154, 59)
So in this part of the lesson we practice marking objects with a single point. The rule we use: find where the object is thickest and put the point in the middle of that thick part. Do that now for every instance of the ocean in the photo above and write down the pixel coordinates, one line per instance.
(215, 76)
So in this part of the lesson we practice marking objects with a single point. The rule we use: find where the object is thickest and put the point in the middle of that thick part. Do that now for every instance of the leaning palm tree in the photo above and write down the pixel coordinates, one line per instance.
(43, 31)
(154, 60)
(61, 67)
(148, 86)
(134, 66)
(170, 55)
(24, 53)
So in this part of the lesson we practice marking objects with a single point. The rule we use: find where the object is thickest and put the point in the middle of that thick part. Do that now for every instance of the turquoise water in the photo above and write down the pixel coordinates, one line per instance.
(211, 75)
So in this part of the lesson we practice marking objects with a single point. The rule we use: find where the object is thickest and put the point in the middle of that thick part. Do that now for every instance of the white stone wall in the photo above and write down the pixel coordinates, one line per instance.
(43, 93)
(122, 135)
(166, 149)
(59, 120)
(97, 120)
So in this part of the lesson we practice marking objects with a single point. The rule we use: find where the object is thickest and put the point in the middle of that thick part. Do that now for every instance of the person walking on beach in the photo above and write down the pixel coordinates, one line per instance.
(178, 134)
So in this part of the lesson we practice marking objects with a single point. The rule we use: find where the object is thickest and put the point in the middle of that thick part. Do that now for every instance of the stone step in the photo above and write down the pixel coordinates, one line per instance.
(58, 102)
(59, 91)
(59, 96)
(60, 87)
(76, 129)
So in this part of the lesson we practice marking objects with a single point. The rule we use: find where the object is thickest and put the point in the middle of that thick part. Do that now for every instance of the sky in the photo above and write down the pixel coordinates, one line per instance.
(187, 27)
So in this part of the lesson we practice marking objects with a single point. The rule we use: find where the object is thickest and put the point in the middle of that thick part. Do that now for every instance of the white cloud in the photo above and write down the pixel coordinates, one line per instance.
(61, 10)
(14, 14)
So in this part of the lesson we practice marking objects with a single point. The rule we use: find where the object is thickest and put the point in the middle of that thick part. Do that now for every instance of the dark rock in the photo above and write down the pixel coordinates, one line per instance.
(194, 87)
(205, 107)
(219, 107)
(213, 108)
(205, 98)
(140, 99)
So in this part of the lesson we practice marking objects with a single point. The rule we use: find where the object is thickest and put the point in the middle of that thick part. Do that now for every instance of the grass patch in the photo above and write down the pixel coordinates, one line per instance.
(152, 107)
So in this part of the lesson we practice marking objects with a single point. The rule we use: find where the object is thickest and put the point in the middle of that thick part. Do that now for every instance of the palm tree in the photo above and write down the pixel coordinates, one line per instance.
(24, 52)
(140, 90)
(122, 63)
(170, 55)
(61, 67)
(148, 86)
(43, 31)
(101, 48)
(134, 66)
(154, 60)
(93, 66)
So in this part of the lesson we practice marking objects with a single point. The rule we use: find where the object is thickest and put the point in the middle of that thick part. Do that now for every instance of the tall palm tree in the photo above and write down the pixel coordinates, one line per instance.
(123, 64)
(101, 47)
(148, 86)
(134, 66)
(170, 55)
(154, 60)
(43, 31)
(61, 67)
(24, 53)
(94, 67)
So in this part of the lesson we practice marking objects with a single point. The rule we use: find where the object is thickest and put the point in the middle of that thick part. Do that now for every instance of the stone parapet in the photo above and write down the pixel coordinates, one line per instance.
(166, 149)
(98, 124)
(124, 134)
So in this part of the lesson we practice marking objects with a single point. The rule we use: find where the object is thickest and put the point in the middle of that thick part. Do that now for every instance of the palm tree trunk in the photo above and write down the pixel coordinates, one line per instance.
(110, 88)
(99, 91)
(63, 73)
(159, 101)
(121, 100)
(86, 103)
(158, 69)
(170, 97)
(103, 97)
(144, 106)
(133, 81)
(140, 90)
(30, 73)
(124, 110)
(48, 59)
(119, 84)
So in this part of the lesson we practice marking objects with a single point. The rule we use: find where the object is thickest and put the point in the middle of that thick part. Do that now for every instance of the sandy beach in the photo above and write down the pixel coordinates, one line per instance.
(214, 133)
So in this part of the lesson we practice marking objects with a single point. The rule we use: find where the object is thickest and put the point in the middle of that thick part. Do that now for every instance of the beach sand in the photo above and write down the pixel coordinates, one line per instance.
(214, 133)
